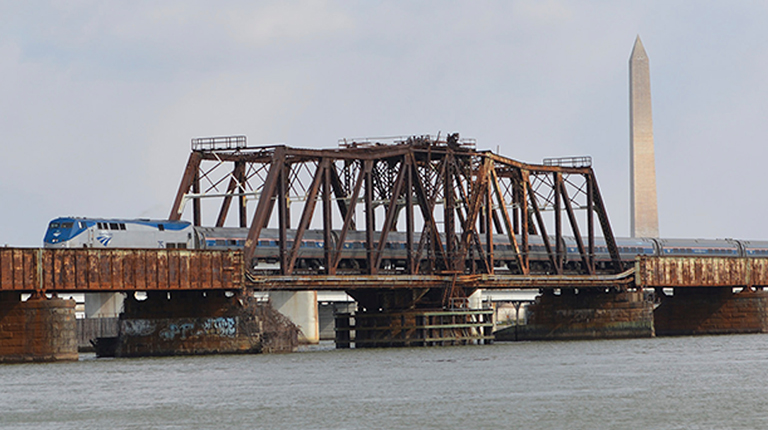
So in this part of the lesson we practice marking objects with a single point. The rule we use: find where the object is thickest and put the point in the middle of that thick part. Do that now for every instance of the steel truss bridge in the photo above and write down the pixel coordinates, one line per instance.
(447, 197)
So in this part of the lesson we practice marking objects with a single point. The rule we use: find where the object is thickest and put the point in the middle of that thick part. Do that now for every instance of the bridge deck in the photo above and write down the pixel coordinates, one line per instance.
(44, 269)
(499, 282)
(701, 272)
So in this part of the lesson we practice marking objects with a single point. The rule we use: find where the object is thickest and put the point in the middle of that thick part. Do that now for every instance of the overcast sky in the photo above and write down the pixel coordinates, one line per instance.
(99, 100)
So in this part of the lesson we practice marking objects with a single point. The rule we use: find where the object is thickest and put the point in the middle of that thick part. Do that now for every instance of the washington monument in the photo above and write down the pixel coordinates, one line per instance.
(644, 220)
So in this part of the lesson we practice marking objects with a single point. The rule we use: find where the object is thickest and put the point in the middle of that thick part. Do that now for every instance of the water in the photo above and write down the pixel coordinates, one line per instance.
(664, 383)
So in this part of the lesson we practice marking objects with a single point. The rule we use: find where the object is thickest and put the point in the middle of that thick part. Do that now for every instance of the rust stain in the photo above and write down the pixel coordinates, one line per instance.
(43, 269)
(701, 271)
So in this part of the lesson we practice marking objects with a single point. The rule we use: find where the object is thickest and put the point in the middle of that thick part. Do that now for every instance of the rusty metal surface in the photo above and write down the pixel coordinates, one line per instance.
(701, 271)
(504, 282)
(320, 282)
(43, 269)
(453, 191)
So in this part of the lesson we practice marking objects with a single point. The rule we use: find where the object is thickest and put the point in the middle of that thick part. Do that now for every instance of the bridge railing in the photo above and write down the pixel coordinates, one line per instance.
(580, 161)
(219, 143)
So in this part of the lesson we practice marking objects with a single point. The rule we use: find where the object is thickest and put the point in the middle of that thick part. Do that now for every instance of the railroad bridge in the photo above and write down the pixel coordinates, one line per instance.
(411, 228)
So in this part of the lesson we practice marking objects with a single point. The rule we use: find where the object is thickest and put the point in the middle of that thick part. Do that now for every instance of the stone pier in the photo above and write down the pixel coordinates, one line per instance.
(711, 310)
(39, 329)
(595, 313)
(197, 322)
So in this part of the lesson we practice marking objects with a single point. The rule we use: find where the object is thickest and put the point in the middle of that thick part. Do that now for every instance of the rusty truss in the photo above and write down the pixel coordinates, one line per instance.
(419, 205)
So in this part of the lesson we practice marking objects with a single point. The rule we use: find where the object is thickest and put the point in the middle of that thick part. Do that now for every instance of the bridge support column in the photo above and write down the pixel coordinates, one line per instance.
(301, 308)
(594, 313)
(197, 322)
(711, 310)
(38, 329)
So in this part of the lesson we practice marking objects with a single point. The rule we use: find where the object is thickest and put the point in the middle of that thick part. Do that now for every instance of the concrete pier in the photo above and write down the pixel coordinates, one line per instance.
(707, 310)
(39, 329)
(301, 308)
(588, 314)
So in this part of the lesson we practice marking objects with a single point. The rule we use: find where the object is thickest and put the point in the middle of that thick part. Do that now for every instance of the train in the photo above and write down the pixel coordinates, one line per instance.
(73, 232)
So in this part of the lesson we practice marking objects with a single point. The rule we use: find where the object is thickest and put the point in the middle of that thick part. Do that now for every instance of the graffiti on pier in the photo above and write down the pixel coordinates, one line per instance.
(183, 329)
(137, 327)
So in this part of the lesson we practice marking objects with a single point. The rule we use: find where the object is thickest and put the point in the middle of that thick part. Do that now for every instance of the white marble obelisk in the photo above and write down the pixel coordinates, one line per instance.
(644, 210)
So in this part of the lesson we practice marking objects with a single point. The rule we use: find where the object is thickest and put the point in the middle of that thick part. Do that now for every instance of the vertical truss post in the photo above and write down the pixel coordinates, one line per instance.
(542, 229)
(241, 200)
(474, 205)
(389, 219)
(282, 211)
(558, 224)
(448, 214)
(196, 215)
(264, 206)
(409, 264)
(516, 199)
(523, 203)
(327, 220)
(193, 165)
(338, 191)
(521, 255)
(574, 225)
(306, 215)
(590, 224)
(488, 206)
(235, 183)
(348, 219)
(370, 223)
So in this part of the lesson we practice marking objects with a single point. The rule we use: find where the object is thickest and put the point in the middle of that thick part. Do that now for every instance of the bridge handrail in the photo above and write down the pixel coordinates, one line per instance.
(218, 143)
(578, 161)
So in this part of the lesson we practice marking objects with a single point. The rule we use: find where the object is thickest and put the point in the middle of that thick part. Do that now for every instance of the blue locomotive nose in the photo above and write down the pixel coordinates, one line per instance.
(61, 230)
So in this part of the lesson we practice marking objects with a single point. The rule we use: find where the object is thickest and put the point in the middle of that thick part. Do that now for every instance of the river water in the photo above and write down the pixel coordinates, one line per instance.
(708, 382)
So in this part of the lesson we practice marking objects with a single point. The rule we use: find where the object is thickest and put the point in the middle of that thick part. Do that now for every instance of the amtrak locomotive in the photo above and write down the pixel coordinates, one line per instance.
(145, 233)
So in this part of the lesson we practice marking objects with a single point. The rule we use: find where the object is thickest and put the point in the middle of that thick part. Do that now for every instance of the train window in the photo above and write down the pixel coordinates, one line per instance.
(66, 225)
(122, 226)
(114, 226)
(170, 245)
(232, 242)
(54, 225)
(161, 227)
(181, 245)
(82, 225)
(221, 242)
